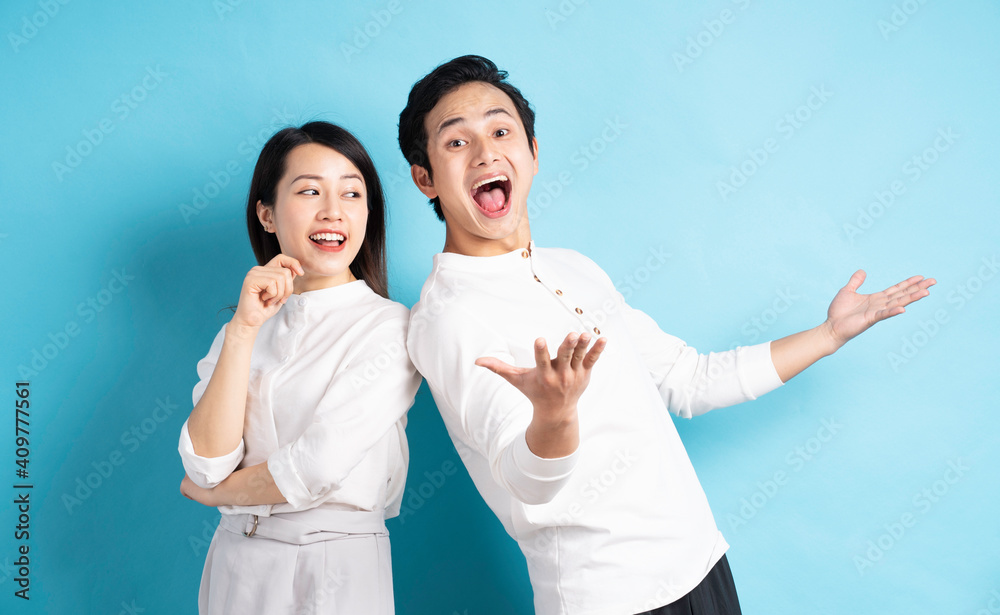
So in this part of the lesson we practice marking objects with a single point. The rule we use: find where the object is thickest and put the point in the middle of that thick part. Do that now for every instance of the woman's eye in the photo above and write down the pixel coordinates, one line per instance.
(456, 143)
(310, 191)
(353, 195)
(502, 132)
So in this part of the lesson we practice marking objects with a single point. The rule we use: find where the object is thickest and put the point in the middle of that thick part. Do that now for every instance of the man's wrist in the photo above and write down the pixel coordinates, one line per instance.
(831, 343)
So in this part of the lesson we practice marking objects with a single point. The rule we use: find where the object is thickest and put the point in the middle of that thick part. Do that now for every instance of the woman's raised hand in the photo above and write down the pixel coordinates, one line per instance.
(265, 290)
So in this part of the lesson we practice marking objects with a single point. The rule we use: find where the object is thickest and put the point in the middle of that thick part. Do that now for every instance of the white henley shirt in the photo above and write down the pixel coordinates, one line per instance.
(622, 525)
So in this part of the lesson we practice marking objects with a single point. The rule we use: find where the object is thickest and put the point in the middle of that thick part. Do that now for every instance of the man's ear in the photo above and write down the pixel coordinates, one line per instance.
(266, 216)
(422, 178)
(534, 153)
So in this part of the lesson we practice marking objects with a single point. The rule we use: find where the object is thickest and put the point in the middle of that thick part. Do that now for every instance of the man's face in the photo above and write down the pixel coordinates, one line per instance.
(482, 168)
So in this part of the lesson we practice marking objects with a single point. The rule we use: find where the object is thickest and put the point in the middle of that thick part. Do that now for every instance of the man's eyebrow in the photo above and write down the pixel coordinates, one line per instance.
(460, 119)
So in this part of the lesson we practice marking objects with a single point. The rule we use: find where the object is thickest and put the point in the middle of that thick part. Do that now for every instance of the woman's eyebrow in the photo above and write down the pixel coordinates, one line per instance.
(316, 177)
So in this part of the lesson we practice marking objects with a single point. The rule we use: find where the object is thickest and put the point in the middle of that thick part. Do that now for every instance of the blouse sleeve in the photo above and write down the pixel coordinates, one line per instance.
(207, 472)
(479, 407)
(364, 400)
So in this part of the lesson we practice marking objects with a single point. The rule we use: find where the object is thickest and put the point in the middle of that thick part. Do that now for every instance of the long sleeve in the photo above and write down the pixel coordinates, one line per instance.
(207, 472)
(691, 383)
(362, 404)
(488, 414)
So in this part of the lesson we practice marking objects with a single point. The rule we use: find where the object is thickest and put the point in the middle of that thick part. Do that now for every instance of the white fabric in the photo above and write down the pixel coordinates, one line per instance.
(622, 525)
(330, 384)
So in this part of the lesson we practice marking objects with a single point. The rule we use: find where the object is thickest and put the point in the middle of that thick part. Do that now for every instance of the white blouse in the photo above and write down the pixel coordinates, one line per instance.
(330, 384)
(622, 525)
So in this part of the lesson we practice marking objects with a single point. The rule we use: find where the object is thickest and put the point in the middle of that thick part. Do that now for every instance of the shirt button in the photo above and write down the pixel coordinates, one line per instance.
(597, 331)
(579, 311)
(558, 292)
(303, 301)
(524, 254)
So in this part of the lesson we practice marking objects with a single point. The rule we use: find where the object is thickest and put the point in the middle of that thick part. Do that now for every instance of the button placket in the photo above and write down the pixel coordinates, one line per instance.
(561, 297)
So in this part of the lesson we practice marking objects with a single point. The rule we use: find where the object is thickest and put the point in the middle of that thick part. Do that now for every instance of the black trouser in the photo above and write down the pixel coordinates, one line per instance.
(715, 595)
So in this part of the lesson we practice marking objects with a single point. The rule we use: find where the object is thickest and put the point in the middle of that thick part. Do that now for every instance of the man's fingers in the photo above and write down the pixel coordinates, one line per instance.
(856, 280)
(542, 359)
(508, 372)
(911, 281)
(595, 353)
(565, 352)
(580, 351)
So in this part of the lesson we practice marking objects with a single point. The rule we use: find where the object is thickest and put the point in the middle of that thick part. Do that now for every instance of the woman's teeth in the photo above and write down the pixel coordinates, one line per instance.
(327, 237)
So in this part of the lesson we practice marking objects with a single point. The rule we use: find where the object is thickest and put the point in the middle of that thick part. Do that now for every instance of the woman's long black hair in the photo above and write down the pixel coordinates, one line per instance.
(370, 263)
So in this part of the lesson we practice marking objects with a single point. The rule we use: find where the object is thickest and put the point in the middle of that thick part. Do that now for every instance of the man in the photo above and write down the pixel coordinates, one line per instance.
(576, 455)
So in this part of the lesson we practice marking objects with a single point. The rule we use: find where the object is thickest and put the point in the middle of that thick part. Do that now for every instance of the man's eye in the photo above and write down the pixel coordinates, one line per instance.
(456, 143)
(502, 132)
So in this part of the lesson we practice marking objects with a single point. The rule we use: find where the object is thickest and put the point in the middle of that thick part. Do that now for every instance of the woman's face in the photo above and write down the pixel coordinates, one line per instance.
(319, 215)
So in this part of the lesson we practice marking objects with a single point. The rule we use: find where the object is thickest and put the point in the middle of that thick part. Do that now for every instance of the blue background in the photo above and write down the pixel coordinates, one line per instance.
(643, 109)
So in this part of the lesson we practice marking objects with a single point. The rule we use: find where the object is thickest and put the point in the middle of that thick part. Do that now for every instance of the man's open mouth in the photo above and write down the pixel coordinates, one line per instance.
(492, 194)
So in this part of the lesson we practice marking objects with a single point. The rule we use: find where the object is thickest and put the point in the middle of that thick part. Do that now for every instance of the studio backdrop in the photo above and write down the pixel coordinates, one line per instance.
(729, 164)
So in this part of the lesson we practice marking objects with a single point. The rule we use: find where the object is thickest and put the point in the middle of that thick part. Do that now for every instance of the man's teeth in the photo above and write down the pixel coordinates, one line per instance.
(327, 237)
(498, 178)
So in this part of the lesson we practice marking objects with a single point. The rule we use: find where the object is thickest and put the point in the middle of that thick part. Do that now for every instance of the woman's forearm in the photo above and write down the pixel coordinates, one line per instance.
(250, 486)
(216, 423)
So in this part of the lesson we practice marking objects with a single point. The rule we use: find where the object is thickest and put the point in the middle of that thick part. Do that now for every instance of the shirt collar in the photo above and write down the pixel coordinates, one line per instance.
(516, 260)
(342, 294)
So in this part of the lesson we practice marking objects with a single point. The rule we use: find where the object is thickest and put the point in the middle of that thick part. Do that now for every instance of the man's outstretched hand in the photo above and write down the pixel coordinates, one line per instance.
(852, 313)
(553, 386)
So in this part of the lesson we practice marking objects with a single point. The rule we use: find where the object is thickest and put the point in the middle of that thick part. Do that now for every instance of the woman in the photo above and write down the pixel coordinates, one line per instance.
(297, 428)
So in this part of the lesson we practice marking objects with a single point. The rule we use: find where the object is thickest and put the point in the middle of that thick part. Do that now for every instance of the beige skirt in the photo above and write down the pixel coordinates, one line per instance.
(303, 563)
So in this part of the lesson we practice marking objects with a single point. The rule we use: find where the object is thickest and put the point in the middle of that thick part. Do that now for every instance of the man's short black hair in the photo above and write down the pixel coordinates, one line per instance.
(426, 93)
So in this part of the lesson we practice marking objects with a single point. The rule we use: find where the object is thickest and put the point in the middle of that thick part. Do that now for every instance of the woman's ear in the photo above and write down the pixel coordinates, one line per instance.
(266, 216)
